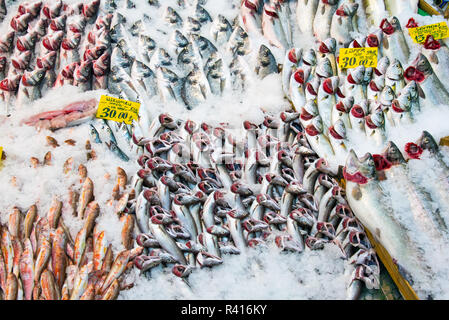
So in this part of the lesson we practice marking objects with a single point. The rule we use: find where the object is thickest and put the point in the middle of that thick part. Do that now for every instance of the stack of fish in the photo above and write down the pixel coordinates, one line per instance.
(204, 57)
(40, 260)
(373, 205)
(368, 101)
(199, 200)
(48, 45)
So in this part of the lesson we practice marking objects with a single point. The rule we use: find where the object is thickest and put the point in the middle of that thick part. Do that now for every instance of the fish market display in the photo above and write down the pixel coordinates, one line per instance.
(199, 202)
(42, 260)
(247, 149)
(335, 103)
(394, 217)
(51, 44)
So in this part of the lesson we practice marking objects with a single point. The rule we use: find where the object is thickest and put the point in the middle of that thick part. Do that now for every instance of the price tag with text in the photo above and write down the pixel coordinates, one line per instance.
(437, 30)
(118, 109)
(353, 57)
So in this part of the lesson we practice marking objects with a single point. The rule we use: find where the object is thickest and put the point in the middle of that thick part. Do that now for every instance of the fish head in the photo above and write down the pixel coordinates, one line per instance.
(309, 110)
(411, 23)
(309, 57)
(413, 150)
(387, 27)
(402, 103)
(328, 46)
(315, 127)
(294, 55)
(300, 75)
(392, 154)
(427, 142)
(330, 85)
(394, 21)
(373, 39)
(395, 70)
(338, 130)
(358, 170)
(375, 120)
(34, 77)
(387, 95)
(47, 61)
(265, 56)
(356, 75)
(347, 9)
(382, 66)
(324, 68)
(419, 70)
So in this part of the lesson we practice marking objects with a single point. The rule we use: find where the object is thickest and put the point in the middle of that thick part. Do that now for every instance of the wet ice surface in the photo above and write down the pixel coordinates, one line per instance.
(263, 274)
(266, 274)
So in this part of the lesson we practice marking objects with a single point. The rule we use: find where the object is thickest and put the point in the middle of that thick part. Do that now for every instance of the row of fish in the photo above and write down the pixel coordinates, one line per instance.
(368, 101)
(48, 44)
(277, 20)
(198, 200)
(204, 56)
(429, 207)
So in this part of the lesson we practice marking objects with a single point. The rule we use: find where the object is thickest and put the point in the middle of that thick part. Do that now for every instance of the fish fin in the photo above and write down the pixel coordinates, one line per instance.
(434, 58)
(385, 43)
(421, 92)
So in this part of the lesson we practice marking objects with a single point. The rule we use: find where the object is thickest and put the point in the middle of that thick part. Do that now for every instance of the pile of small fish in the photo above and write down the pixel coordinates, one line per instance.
(39, 259)
(48, 45)
(368, 101)
(198, 200)
(429, 205)
(204, 57)
(277, 20)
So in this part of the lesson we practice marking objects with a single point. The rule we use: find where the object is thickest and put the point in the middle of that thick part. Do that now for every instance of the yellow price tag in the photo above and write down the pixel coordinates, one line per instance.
(437, 30)
(118, 109)
(353, 57)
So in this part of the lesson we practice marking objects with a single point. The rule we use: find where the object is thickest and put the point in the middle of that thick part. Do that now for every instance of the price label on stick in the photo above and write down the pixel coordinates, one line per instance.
(118, 109)
(353, 57)
(437, 30)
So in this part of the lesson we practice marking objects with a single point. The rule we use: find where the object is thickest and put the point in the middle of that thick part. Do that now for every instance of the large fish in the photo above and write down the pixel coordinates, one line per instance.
(369, 203)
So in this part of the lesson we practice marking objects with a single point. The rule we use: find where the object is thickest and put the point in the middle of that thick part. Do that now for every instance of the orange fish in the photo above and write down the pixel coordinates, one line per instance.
(48, 286)
(54, 213)
(100, 248)
(43, 255)
(15, 219)
(29, 220)
(127, 230)
(86, 196)
(59, 257)
(27, 269)
(12, 287)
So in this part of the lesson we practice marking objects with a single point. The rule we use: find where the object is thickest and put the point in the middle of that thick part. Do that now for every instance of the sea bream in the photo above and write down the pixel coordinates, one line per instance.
(431, 90)
(305, 14)
(266, 63)
(29, 86)
(394, 45)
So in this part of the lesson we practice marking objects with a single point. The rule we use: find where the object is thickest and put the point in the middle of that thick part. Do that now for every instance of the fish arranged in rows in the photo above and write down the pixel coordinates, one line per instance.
(369, 101)
(276, 20)
(204, 57)
(40, 260)
(428, 203)
(50, 44)
(204, 194)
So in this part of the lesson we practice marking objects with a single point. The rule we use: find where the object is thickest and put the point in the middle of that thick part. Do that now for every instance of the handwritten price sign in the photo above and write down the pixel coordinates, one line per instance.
(353, 57)
(118, 109)
(437, 30)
